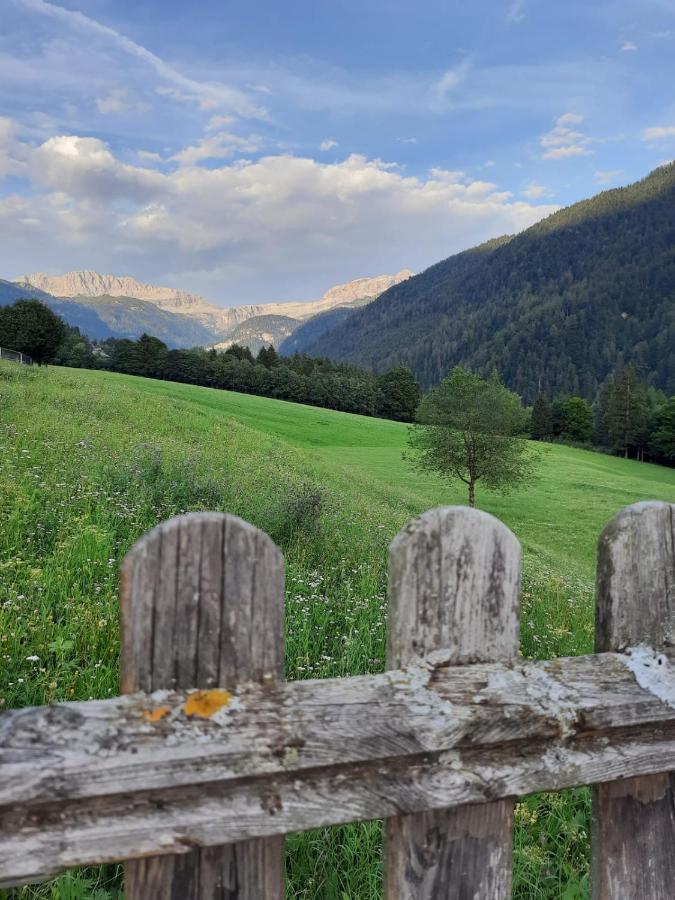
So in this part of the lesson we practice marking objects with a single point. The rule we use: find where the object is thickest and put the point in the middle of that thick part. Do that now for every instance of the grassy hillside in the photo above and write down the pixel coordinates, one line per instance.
(91, 460)
(555, 308)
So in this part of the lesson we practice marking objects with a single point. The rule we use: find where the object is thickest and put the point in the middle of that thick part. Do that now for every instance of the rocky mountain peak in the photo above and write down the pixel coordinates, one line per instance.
(87, 283)
(365, 287)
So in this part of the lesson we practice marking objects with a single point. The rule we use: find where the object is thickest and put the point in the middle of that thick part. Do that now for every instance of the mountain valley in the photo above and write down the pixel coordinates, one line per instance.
(105, 306)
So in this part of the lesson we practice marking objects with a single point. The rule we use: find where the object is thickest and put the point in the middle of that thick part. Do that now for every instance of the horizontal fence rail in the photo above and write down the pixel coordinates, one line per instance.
(195, 775)
(16, 356)
(158, 773)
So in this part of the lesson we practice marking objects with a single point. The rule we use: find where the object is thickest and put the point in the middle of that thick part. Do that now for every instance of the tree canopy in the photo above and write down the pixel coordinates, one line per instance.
(662, 442)
(28, 326)
(471, 429)
(398, 394)
(573, 419)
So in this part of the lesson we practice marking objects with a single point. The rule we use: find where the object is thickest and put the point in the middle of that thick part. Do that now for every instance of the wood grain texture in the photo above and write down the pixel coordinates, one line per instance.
(202, 607)
(453, 583)
(634, 819)
(106, 780)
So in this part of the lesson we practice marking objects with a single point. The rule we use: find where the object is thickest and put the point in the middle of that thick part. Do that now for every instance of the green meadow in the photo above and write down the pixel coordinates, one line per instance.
(91, 460)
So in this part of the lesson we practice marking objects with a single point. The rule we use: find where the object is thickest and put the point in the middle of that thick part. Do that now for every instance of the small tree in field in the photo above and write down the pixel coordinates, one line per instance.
(471, 429)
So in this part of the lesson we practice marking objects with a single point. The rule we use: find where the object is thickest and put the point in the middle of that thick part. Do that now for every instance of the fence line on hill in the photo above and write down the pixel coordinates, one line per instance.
(194, 775)
(16, 356)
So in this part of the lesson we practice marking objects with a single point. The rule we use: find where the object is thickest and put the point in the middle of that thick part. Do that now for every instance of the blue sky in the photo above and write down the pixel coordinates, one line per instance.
(264, 151)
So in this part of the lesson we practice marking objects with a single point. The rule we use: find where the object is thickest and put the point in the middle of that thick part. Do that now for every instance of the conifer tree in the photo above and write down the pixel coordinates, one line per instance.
(268, 357)
(541, 423)
(627, 411)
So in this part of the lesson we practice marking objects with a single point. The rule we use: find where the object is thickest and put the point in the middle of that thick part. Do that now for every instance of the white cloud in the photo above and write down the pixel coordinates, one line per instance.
(327, 144)
(222, 145)
(535, 191)
(607, 176)
(245, 227)
(118, 101)
(562, 133)
(566, 152)
(449, 80)
(149, 156)
(217, 123)
(659, 133)
(628, 46)
(564, 140)
(209, 95)
(85, 168)
(260, 88)
(516, 12)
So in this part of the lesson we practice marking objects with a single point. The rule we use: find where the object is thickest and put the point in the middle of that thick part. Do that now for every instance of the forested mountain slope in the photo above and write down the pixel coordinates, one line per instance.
(311, 330)
(260, 331)
(11, 292)
(129, 317)
(555, 308)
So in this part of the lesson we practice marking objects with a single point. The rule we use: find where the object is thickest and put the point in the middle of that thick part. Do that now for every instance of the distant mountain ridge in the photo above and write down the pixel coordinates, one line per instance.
(87, 283)
(104, 317)
(554, 308)
(96, 291)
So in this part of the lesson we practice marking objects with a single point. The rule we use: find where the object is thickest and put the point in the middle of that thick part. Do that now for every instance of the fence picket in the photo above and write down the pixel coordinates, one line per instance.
(202, 607)
(454, 577)
(634, 818)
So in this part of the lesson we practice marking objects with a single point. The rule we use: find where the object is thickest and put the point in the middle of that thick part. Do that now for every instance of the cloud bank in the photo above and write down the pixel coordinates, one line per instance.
(231, 231)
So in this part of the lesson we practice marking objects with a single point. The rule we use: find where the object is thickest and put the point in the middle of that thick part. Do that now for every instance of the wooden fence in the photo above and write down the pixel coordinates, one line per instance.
(210, 757)
(16, 356)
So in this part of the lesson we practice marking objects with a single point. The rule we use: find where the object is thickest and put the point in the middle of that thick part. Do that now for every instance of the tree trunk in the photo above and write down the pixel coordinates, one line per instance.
(472, 493)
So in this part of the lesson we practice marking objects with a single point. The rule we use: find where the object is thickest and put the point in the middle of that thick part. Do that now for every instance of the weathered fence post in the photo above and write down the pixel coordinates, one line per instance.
(454, 576)
(202, 607)
(634, 818)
